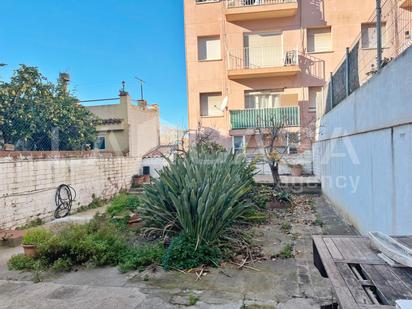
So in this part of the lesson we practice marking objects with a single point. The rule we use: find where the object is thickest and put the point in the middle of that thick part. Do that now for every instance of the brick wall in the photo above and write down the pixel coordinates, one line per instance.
(28, 181)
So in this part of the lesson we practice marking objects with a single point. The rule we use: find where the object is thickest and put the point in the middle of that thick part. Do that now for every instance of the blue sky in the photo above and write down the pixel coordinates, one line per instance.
(100, 43)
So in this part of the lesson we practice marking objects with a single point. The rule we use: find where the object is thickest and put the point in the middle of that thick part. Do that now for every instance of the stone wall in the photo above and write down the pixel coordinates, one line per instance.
(28, 181)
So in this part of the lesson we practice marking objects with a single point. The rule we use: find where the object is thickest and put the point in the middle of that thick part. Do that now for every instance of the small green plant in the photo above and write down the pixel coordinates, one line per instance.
(141, 256)
(193, 299)
(287, 252)
(21, 262)
(284, 197)
(37, 236)
(123, 204)
(256, 217)
(318, 222)
(184, 254)
(286, 227)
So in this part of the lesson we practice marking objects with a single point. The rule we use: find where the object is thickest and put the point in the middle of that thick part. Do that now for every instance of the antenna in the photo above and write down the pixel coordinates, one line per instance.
(141, 86)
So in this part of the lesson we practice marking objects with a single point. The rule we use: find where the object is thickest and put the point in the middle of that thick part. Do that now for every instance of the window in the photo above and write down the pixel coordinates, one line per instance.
(315, 98)
(238, 144)
(100, 143)
(263, 50)
(209, 48)
(319, 40)
(261, 99)
(369, 35)
(209, 103)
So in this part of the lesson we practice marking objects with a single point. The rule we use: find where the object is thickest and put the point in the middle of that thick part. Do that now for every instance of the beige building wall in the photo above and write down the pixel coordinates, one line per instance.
(136, 130)
(209, 19)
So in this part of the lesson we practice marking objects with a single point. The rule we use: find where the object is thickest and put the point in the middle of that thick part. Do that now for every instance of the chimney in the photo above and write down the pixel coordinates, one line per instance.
(65, 80)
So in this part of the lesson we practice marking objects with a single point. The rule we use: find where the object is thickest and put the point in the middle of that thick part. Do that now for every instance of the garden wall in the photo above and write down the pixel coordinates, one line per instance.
(364, 152)
(28, 181)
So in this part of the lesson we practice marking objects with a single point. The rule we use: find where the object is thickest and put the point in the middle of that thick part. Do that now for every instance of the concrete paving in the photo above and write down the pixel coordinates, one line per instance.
(273, 283)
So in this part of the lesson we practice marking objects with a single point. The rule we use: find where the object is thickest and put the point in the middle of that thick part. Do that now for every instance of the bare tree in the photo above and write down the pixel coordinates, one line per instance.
(275, 139)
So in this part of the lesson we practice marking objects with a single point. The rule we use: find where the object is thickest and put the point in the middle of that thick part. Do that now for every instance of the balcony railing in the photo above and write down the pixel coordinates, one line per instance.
(261, 57)
(265, 118)
(243, 3)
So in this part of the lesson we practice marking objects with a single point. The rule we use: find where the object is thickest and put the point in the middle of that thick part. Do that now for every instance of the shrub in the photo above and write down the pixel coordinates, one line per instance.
(184, 253)
(61, 265)
(37, 236)
(200, 194)
(141, 256)
(97, 242)
(21, 262)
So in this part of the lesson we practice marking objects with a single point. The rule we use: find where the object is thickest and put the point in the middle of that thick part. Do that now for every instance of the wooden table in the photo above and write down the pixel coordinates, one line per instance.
(360, 278)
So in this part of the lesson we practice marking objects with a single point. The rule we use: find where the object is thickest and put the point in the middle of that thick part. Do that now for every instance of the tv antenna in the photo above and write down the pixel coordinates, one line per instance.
(141, 81)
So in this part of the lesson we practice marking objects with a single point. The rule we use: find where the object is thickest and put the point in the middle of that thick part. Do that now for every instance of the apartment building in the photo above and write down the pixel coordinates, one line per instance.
(252, 60)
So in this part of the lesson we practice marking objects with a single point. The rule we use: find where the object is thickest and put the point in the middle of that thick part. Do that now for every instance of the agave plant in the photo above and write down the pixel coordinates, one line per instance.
(200, 195)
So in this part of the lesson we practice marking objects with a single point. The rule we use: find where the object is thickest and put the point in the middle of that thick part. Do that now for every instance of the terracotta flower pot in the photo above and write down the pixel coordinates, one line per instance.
(297, 170)
(30, 250)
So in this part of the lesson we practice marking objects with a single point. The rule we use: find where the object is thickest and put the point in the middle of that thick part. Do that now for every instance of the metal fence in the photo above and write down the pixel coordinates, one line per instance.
(361, 61)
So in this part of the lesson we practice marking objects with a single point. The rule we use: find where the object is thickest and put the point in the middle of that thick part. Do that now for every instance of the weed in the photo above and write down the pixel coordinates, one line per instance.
(184, 254)
(193, 300)
(287, 252)
(318, 222)
(141, 256)
(286, 227)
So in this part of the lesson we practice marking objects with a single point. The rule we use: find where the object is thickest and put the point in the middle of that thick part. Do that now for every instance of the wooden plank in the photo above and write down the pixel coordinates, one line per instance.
(333, 250)
(405, 240)
(388, 284)
(355, 261)
(376, 307)
(346, 300)
(361, 297)
(364, 245)
(405, 274)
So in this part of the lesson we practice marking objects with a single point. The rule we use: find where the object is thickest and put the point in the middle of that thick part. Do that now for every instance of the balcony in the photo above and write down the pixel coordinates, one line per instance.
(405, 4)
(261, 62)
(243, 10)
(265, 118)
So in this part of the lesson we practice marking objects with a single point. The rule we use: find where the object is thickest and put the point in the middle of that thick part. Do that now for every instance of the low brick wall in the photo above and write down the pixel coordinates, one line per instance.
(28, 181)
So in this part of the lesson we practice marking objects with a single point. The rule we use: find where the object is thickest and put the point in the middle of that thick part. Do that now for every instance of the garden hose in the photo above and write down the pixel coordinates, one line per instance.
(65, 195)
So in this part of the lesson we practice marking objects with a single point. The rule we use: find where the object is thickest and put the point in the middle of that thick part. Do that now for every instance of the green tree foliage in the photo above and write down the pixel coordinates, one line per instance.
(33, 110)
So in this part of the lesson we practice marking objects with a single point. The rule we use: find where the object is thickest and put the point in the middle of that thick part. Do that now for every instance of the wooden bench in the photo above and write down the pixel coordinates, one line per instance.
(360, 278)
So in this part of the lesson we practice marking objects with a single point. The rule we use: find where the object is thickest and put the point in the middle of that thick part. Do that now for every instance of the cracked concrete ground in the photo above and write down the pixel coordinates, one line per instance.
(274, 283)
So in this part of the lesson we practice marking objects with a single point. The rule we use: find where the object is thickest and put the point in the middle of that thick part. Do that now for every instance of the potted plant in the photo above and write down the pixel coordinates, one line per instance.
(296, 170)
(33, 239)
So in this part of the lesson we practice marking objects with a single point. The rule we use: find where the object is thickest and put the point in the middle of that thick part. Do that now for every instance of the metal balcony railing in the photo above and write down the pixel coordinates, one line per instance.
(261, 57)
(265, 117)
(245, 3)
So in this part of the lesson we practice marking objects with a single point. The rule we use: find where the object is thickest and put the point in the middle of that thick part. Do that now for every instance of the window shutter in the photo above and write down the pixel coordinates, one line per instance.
(319, 40)
(208, 103)
(209, 48)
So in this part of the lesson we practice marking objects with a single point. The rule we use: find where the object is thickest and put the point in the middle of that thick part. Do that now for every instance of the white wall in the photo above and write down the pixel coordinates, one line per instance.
(364, 152)
(28, 185)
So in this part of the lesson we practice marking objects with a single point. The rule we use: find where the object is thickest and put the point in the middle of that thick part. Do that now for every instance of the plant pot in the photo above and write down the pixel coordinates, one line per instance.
(30, 250)
(296, 170)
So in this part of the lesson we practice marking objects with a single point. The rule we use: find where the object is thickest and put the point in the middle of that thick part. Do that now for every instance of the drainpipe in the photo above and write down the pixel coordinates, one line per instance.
(379, 34)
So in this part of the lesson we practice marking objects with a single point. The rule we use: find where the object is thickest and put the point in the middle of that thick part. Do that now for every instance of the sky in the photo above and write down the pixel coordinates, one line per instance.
(100, 43)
